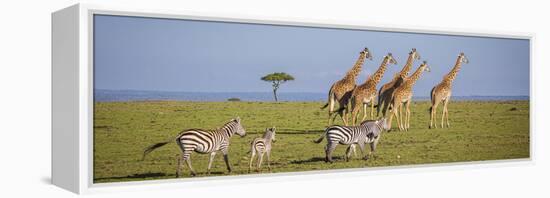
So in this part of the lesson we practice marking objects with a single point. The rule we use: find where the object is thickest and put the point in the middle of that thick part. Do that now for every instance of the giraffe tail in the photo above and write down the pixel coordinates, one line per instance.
(431, 99)
(329, 96)
(378, 104)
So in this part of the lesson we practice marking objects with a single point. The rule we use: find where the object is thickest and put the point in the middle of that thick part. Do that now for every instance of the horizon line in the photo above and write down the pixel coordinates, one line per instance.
(269, 92)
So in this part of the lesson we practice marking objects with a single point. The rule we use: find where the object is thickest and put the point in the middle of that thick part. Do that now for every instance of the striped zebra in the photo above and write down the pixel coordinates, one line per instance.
(368, 132)
(204, 142)
(262, 146)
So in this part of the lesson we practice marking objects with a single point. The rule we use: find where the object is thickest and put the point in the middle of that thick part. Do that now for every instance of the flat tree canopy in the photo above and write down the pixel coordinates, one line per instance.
(277, 79)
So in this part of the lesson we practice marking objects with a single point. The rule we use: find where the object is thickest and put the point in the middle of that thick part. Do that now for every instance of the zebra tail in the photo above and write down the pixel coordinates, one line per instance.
(320, 138)
(155, 146)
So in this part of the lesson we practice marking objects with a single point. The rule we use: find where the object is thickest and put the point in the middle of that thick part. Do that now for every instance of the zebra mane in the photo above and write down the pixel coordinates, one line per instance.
(269, 133)
(230, 126)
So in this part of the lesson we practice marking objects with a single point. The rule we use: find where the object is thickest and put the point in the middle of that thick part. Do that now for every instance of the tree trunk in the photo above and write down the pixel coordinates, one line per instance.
(275, 94)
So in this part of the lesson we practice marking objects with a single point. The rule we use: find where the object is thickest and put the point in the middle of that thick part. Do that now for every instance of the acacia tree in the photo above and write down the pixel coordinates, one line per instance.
(277, 79)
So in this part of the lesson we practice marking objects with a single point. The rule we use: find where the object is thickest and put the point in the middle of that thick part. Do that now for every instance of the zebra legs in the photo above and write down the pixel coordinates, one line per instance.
(362, 149)
(187, 158)
(212, 155)
(259, 163)
(251, 159)
(268, 155)
(226, 159)
(180, 164)
(329, 149)
(373, 146)
(188, 161)
(349, 151)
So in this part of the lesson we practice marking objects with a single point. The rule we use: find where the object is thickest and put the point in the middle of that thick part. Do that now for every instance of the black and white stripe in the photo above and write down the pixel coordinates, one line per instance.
(262, 146)
(367, 133)
(204, 142)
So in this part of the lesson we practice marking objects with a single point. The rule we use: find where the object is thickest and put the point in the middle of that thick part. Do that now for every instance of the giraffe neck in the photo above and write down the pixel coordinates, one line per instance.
(405, 71)
(414, 77)
(452, 74)
(354, 71)
(377, 76)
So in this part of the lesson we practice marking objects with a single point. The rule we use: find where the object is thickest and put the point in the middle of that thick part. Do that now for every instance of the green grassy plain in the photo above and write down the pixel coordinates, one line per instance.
(479, 131)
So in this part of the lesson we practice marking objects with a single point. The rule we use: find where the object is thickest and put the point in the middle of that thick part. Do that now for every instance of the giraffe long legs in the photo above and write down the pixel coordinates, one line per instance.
(371, 109)
(364, 112)
(331, 104)
(407, 115)
(395, 111)
(401, 128)
(445, 114)
(433, 114)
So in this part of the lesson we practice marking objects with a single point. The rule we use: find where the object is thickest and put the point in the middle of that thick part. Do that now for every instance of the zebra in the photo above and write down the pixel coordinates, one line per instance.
(204, 142)
(262, 146)
(368, 132)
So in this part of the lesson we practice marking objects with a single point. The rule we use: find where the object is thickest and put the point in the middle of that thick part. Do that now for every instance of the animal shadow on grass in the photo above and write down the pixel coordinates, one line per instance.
(143, 176)
(298, 131)
(135, 176)
(314, 159)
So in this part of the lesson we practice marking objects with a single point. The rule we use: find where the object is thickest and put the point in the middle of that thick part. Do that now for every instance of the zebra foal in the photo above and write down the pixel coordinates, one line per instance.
(204, 142)
(368, 132)
(262, 146)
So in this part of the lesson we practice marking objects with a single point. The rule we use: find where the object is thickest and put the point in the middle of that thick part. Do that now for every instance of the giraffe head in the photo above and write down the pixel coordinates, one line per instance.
(425, 66)
(463, 58)
(367, 53)
(414, 54)
(388, 59)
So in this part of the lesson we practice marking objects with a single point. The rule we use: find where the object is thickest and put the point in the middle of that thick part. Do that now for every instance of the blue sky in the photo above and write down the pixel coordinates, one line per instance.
(133, 53)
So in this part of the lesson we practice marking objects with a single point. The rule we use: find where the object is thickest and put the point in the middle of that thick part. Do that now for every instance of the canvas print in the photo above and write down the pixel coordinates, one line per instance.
(177, 98)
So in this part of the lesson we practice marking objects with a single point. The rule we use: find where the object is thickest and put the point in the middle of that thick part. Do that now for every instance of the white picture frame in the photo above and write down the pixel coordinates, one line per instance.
(72, 100)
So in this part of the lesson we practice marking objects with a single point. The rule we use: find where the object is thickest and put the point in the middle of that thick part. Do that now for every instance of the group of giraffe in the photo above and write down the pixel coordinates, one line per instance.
(352, 98)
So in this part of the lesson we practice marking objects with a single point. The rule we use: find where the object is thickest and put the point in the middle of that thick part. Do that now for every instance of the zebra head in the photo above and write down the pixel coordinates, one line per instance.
(239, 127)
(270, 133)
(383, 123)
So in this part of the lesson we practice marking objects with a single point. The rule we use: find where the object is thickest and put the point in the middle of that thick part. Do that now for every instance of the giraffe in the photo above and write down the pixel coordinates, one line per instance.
(442, 92)
(403, 95)
(385, 92)
(366, 92)
(340, 91)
